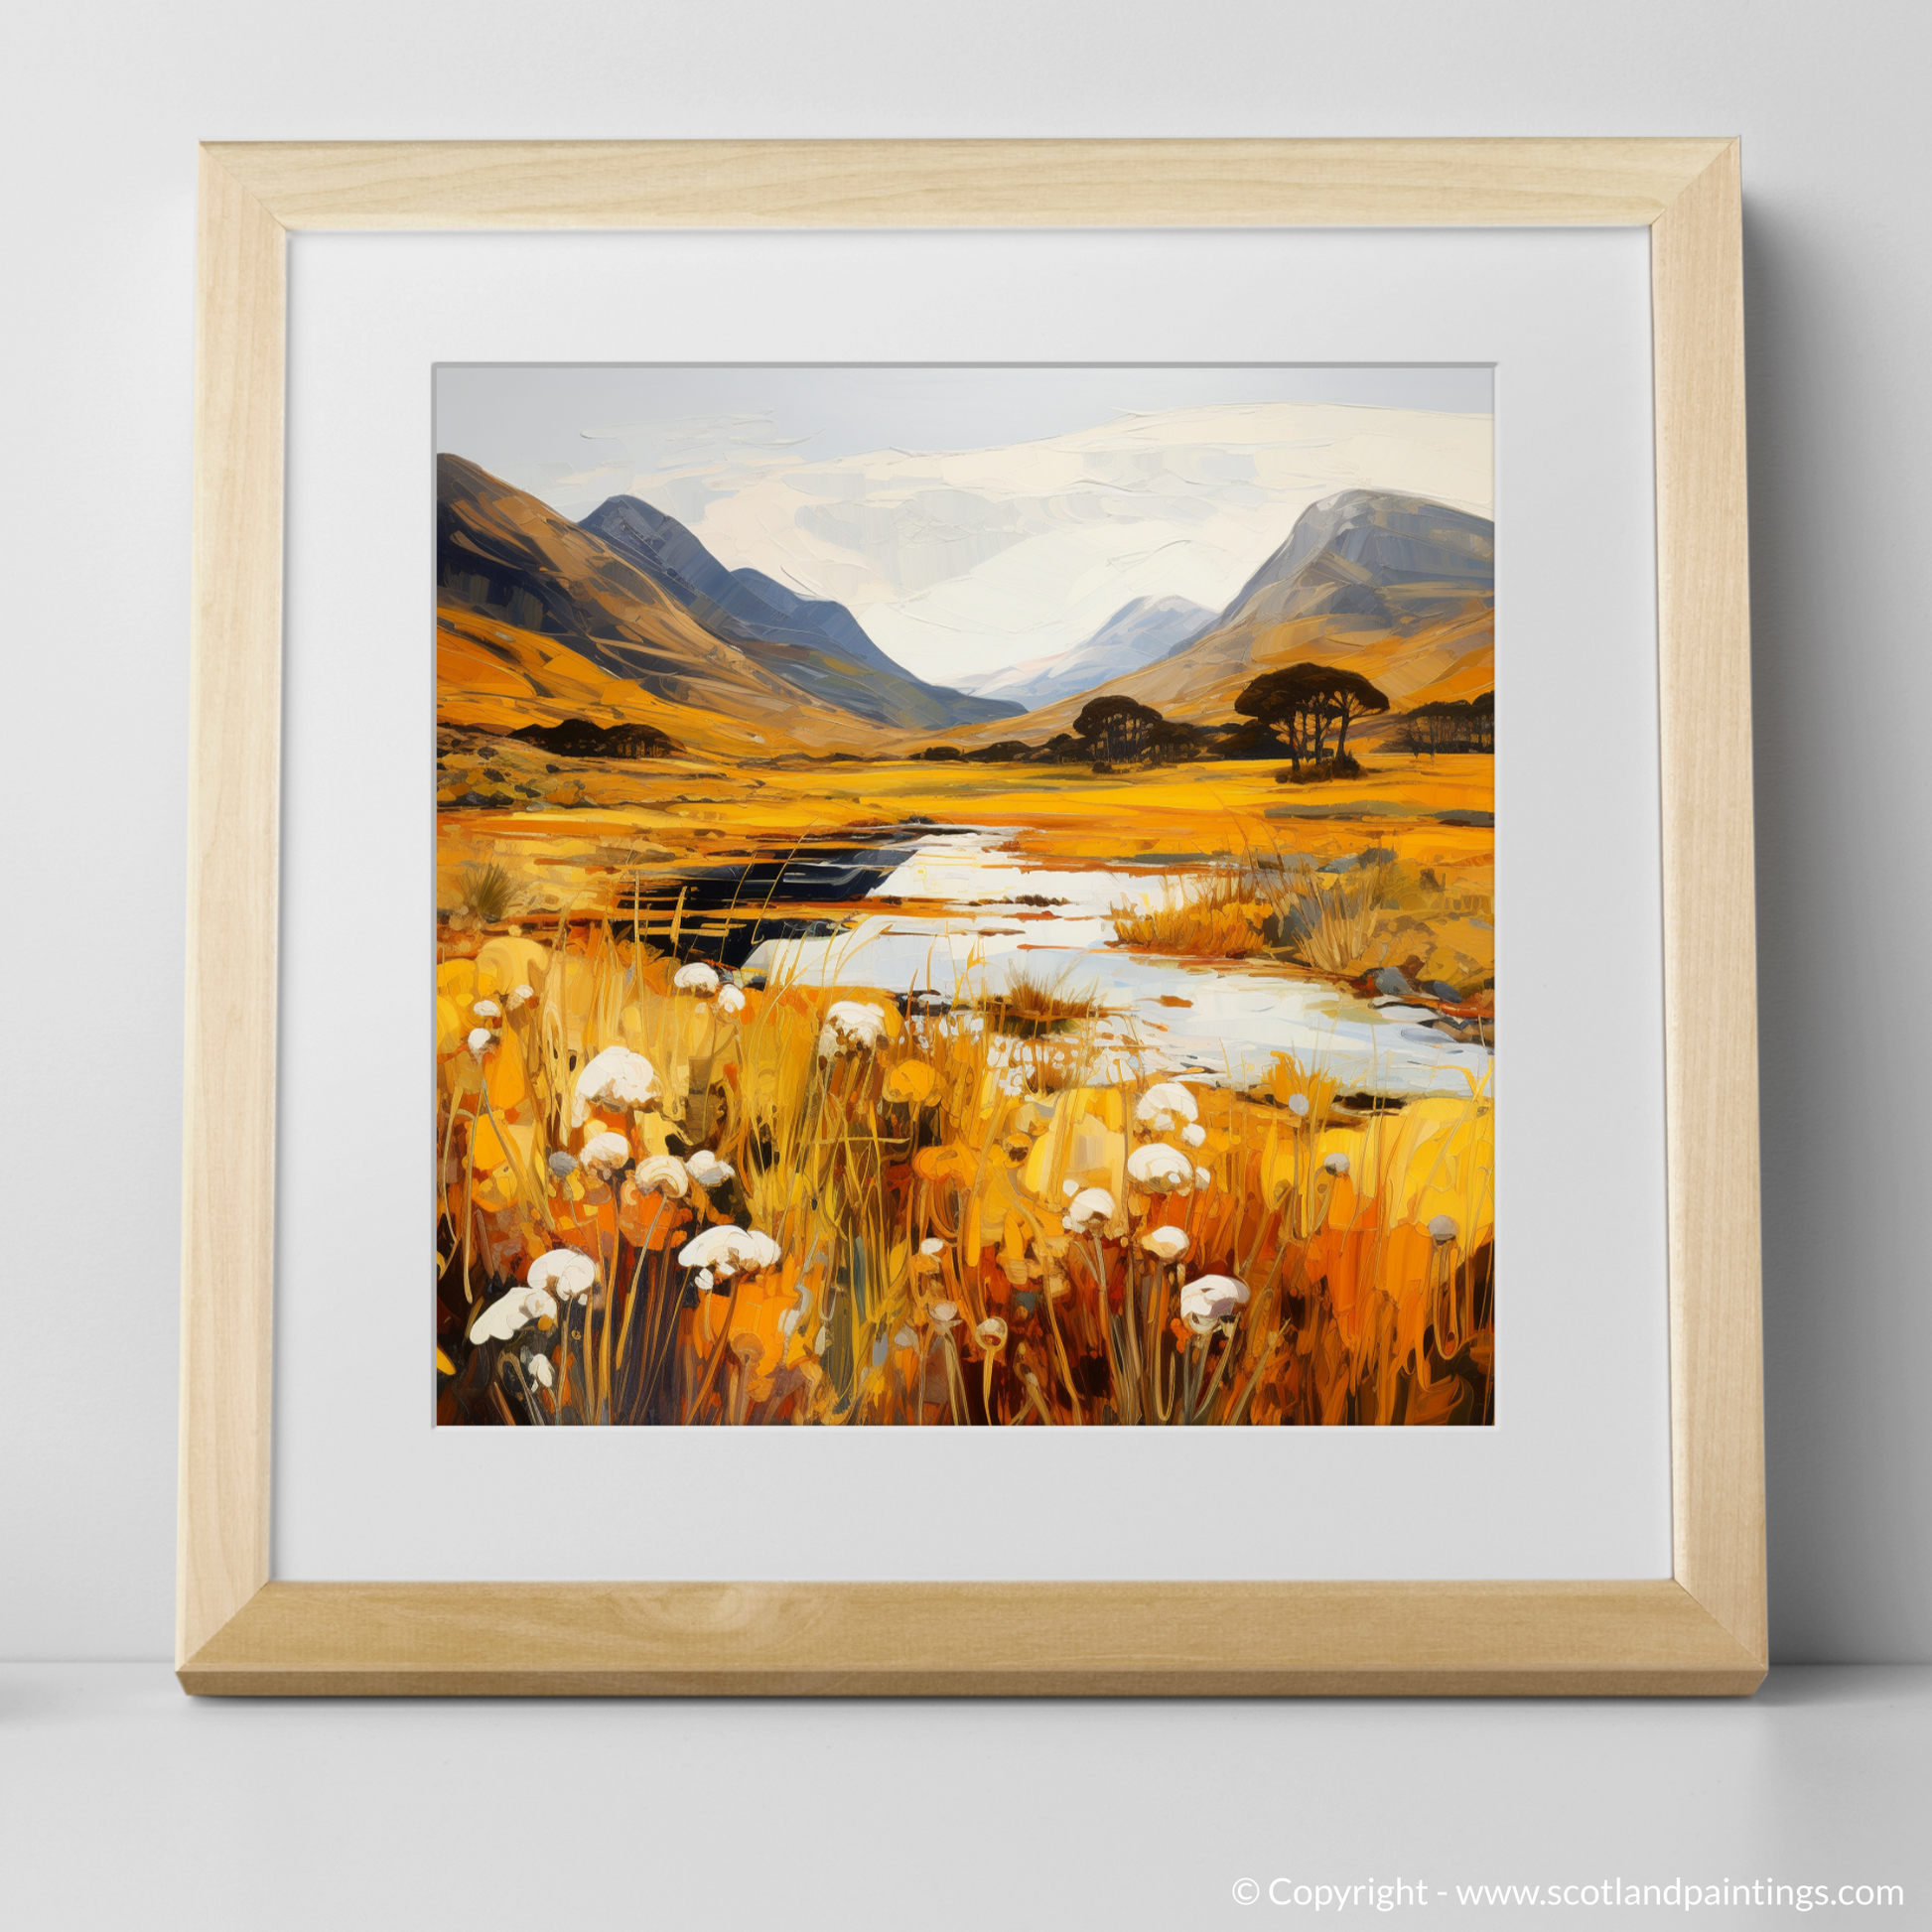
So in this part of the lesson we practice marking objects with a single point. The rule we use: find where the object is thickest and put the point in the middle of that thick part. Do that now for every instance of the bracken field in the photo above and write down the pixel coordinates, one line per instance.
(671, 1193)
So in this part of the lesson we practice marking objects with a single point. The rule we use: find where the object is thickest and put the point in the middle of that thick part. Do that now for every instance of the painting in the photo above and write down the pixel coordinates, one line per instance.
(964, 897)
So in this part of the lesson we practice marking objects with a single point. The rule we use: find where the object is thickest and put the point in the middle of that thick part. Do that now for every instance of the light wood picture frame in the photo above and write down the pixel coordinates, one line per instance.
(1701, 1632)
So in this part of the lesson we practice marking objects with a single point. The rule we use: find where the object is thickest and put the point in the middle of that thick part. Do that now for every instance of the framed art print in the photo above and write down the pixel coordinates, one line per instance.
(990, 977)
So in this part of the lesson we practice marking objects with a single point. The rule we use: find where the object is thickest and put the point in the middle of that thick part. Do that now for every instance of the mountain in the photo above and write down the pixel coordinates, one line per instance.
(540, 620)
(750, 610)
(1397, 587)
(1139, 633)
(534, 615)
(1364, 554)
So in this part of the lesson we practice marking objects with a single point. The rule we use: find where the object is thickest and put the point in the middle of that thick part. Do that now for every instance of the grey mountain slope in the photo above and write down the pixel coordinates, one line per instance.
(748, 609)
(1370, 554)
(1141, 632)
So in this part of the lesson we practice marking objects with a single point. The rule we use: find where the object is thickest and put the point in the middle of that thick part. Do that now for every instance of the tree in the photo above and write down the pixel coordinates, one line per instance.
(1302, 700)
(1348, 696)
(1287, 701)
(1171, 741)
(1450, 725)
(1115, 729)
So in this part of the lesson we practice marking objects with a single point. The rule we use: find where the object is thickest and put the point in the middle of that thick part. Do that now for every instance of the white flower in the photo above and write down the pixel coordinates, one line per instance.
(480, 1042)
(1203, 1177)
(617, 1077)
(1336, 1164)
(943, 1315)
(1298, 1105)
(1069, 1189)
(1159, 1168)
(724, 1250)
(1167, 1244)
(1211, 1299)
(702, 1281)
(992, 1333)
(1194, 1134)
(502, 1319)
(1090, 1205)
(906, 1338)
(540, 1369)
(1441, 1230)
(1012, 1082)
(696, 978)
(1169, 1097)
(520, 996)
(932, 1245)
(850, 1023)
(604, 1154)
(488, 1010)
(707, 1169)
(730, 1000)
(662, 1173)
(565, 1273)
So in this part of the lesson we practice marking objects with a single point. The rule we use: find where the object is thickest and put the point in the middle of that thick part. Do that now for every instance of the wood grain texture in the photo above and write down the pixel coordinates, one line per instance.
(1709, 923)
(235, 733)
(1704, 1633)
(984, 1639)
(962, 184)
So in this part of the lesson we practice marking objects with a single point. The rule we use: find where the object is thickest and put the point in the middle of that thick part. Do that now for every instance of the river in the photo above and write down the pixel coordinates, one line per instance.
(1220, 1021)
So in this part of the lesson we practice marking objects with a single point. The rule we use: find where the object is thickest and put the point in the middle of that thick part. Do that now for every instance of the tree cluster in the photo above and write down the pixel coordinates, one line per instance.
(578, 737)
(1303, 703)
(1301, 713)
(1450, 724)
(1116, 730)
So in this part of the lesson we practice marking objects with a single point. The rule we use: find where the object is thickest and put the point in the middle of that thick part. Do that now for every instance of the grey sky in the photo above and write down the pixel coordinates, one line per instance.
(533, 424)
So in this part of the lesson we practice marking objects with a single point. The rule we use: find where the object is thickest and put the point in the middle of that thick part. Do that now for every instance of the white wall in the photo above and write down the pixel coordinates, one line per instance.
(104, 108)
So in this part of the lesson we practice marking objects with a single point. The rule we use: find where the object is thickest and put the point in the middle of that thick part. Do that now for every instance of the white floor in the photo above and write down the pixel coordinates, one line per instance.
(124, 1804)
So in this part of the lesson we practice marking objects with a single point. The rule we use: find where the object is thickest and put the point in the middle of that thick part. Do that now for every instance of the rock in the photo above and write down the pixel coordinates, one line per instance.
(1376, 855)
(1391, 983)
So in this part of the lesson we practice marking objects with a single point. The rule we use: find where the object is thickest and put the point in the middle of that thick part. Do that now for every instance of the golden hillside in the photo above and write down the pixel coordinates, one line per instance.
(497, 676)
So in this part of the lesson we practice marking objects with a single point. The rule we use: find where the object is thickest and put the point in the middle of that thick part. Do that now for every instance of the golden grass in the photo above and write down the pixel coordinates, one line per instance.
(1208, 915)
(489, 894)
(1328, 919)
(914, 1175)
(1035, 1001)
(914, 1170)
